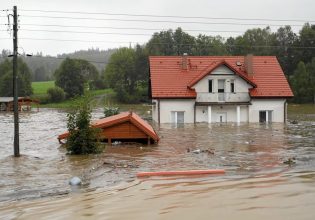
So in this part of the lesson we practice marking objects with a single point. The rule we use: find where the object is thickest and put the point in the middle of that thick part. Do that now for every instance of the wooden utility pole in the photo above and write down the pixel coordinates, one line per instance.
(15, 90)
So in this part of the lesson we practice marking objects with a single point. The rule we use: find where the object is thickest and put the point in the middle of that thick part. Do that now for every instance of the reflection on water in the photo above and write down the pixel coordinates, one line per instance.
(257, 183)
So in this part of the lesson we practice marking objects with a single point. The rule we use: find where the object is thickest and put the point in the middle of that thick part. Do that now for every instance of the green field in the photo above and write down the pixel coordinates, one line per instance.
(40, 88)
(100, 97)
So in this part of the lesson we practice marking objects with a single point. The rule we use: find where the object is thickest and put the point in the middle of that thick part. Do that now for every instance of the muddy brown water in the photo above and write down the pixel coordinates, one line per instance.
(257, 184)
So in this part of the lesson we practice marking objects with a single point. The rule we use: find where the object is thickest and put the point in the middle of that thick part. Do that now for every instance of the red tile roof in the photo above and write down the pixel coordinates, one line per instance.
(169, 80)
(132, 117)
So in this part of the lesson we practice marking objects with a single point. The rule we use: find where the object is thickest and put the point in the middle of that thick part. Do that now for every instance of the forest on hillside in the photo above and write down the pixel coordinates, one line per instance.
(43, 67)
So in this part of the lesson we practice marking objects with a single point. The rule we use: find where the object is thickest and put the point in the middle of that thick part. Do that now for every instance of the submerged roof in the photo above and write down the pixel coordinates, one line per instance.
(131, 117)
(170, 80)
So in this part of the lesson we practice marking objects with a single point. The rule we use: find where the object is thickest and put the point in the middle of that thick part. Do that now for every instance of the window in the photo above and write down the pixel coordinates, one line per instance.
(177, 117)
(232, 86)
(210, 86)
(221, 97)
(221, 85)
(265, 116)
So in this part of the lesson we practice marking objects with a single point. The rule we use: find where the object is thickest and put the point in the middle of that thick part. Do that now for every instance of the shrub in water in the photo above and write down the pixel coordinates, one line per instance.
(83, 139)
(109, 111)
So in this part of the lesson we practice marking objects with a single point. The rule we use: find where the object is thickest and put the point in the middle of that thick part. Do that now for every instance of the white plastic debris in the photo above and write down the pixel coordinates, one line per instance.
(75, 181)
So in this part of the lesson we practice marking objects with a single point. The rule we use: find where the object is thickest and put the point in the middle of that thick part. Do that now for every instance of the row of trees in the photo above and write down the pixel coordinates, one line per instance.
(127, 71)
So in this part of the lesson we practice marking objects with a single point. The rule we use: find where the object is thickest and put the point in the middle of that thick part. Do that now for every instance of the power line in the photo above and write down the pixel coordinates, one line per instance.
(77, 40)
(155, 21)
(171, 16)
(223, 45)
(85, 32)
(126, 28)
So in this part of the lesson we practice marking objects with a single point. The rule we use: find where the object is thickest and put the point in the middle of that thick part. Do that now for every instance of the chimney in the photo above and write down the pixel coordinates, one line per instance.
(184, 61)
(248, 63)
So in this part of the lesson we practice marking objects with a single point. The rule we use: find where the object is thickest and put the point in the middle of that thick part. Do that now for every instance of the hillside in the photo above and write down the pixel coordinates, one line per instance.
(43, 67)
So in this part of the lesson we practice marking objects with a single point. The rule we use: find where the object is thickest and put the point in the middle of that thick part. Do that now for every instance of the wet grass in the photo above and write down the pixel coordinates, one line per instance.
(40, 88)
(301, 112)
(98, 97)
(40, 92)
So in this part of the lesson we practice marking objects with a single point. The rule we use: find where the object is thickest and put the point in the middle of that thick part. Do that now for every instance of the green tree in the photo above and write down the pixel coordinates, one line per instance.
(310, 67)
(82, 139)
(307, 40)
(254, 41)
(121, 74)
(6, 79)
(302, 85)
(161, 43)
(209, 46)
(73, 75)
(285, 40)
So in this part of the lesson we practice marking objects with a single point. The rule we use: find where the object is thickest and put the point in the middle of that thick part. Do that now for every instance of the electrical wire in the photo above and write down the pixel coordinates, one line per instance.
(156, 21)
(170, 16)
(126, 28)
(206, 46)
(85, 32)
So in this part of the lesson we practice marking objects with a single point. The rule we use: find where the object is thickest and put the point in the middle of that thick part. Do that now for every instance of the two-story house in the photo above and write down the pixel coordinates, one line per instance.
(190, 89)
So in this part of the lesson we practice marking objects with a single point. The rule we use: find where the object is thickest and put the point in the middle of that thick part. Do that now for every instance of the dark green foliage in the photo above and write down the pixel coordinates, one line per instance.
(127, 73)
(83, 139)
(55, 94)
(110, 110)
(74, 74)
(6, 79)
(303, 84)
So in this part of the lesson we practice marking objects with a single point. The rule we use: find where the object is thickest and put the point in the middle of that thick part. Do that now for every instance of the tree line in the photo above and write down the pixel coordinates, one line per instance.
(127, 71)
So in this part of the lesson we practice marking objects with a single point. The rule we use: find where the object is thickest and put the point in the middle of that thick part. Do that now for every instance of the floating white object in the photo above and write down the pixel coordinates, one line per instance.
(75, 181)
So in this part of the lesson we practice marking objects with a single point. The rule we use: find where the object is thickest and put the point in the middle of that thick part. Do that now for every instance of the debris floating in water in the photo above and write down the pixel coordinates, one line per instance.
(198, 151)
(75, 181)
(290, 161)
(180, 172)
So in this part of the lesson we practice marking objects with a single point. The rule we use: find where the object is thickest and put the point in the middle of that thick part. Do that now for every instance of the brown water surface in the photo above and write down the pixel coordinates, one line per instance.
(257, 184)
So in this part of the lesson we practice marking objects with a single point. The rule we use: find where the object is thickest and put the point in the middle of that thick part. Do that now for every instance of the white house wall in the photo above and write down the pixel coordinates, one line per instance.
(275, 105)
(169, 105)
(248, 113)
(230, 110)
(240, 84)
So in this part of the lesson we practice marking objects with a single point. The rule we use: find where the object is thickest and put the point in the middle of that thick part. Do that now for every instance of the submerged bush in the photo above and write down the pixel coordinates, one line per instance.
(82, 139)
(109, 111)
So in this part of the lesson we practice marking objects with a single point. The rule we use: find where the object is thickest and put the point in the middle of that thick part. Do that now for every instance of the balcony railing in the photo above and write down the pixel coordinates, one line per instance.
(223, 97)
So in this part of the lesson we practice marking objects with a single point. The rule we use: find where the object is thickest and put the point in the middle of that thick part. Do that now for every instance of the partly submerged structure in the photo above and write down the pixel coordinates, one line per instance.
(190, 89)
(125, 127)
(25, 103)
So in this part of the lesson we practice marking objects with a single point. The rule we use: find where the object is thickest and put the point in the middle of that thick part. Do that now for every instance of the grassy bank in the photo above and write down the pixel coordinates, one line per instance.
(99, 98)
(40, 88)
(40, 91)
(301, 112)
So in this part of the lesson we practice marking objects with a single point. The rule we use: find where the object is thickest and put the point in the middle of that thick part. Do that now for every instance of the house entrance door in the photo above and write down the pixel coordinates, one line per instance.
(221, 117)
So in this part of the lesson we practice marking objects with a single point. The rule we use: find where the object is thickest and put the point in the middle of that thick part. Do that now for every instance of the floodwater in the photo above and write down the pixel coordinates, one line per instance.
(257, 184)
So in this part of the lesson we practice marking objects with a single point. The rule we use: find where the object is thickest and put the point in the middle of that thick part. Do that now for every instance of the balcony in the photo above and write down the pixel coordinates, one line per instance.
(223, 97)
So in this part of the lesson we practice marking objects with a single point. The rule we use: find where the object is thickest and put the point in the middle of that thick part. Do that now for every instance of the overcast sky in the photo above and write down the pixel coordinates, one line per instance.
(106, 29)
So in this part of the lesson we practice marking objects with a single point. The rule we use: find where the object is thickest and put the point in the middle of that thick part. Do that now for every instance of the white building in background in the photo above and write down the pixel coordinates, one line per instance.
(189, 89)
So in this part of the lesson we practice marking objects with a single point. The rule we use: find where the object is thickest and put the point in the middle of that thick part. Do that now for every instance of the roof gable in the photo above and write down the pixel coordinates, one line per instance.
(211, 68)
